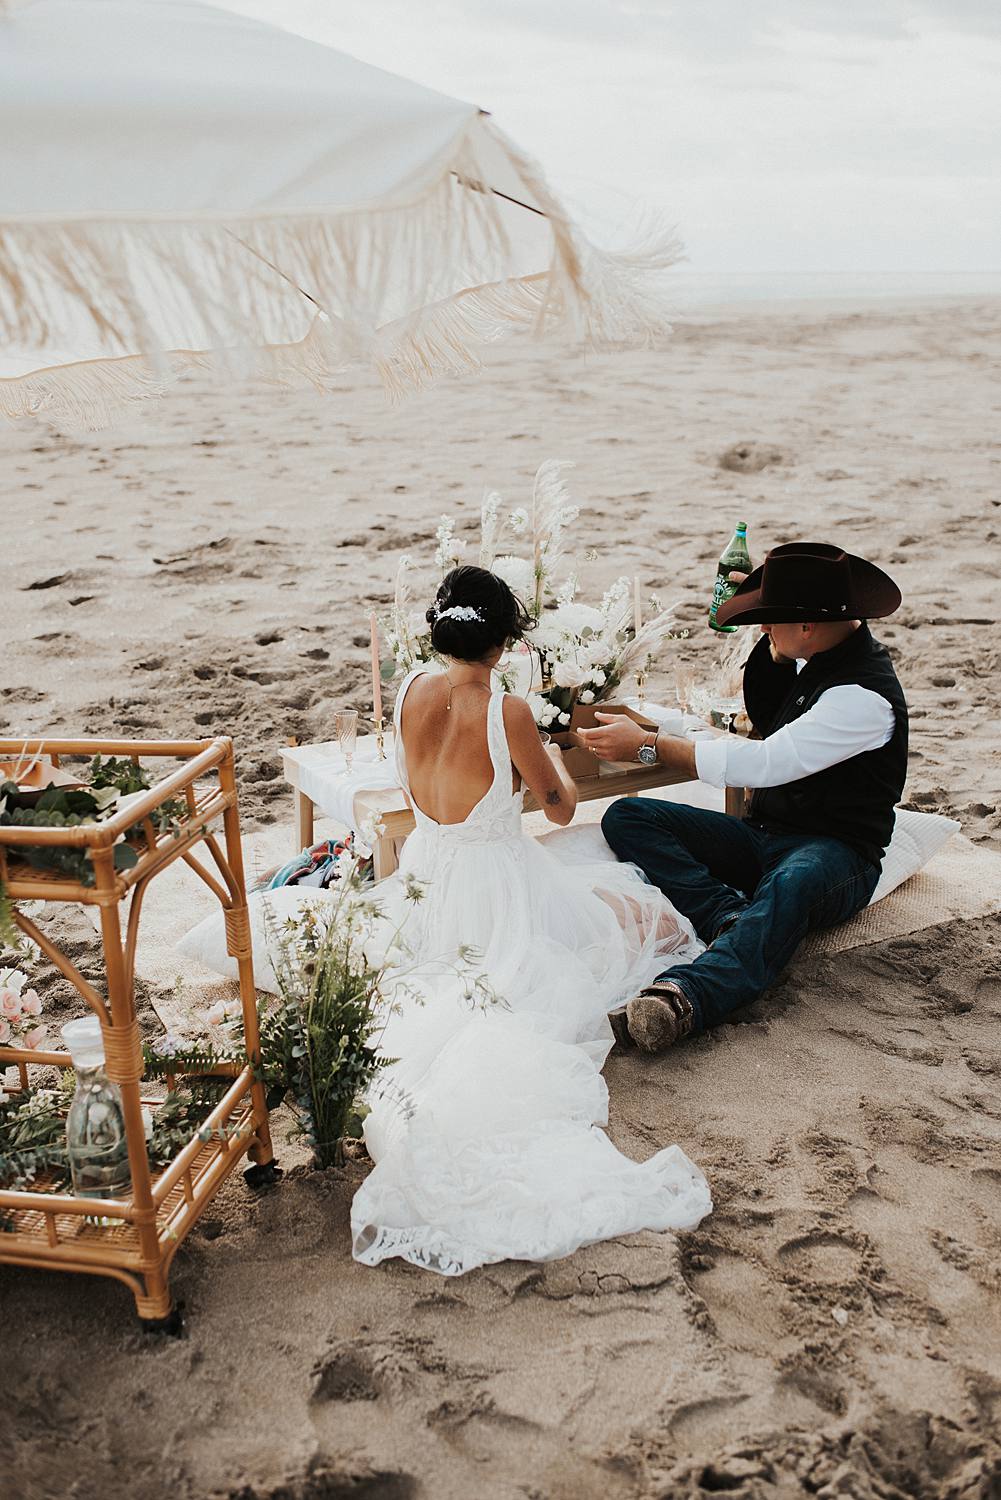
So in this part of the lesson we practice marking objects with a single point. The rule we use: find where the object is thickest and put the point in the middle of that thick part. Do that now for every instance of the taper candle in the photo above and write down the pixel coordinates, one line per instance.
(376, 670)
(637, 606)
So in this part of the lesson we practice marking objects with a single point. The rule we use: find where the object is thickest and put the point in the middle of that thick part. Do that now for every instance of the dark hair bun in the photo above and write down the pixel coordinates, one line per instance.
(500, 615)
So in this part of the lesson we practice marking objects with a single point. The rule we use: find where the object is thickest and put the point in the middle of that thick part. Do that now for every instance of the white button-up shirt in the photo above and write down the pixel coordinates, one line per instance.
(844, 721)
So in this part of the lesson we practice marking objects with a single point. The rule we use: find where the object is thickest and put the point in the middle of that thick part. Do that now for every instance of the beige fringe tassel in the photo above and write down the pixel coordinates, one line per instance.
(299, 299)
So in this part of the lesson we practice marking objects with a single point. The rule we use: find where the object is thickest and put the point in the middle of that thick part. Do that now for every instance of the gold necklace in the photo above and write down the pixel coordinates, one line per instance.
(453, 685)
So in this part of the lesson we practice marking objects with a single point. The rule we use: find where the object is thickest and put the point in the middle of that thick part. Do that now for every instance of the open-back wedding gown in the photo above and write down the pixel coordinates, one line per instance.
(485, 1130)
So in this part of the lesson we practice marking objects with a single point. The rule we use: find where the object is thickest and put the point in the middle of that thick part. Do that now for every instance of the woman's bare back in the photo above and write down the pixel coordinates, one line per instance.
(448, 758)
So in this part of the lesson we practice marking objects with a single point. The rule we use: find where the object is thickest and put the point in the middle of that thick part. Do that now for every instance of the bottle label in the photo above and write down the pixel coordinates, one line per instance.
(723, 590)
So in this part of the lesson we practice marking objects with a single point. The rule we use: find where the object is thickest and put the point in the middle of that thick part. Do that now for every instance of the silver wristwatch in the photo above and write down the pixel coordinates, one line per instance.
(647, 753)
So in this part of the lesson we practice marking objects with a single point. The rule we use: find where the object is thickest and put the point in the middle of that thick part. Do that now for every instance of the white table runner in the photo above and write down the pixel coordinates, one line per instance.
(326, 780)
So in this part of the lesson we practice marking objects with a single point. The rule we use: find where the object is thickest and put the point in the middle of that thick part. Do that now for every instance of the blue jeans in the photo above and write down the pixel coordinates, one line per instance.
(713, 867)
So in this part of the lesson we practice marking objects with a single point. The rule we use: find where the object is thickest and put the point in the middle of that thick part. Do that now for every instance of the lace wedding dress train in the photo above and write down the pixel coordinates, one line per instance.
(485, 1129)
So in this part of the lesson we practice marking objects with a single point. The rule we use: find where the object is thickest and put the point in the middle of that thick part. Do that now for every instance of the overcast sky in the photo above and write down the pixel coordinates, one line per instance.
(810, 135)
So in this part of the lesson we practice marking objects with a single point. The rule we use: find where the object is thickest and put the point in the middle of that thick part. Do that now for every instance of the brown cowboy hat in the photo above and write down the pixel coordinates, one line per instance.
(810, 581)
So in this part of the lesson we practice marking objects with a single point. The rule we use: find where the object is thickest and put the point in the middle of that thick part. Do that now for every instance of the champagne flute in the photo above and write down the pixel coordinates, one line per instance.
(684, 677)
(346, 732)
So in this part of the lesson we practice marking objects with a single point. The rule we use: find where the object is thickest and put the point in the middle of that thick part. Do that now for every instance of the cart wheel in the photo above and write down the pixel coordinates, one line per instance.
(172, 1326)
(263, 1174)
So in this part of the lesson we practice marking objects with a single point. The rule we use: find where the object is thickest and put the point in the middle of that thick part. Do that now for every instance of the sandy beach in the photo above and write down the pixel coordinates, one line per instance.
(834, 1328)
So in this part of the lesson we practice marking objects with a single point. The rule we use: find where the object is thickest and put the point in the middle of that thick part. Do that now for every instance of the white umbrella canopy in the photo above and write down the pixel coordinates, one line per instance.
(185, 187)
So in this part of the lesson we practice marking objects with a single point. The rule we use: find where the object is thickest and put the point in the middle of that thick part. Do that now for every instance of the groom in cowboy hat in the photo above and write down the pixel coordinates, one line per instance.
(826, 773)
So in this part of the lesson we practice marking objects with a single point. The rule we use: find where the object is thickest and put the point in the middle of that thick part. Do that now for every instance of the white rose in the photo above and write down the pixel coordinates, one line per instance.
(571, 619)
(566, 674)
(564, 719)
(545, 637)
(517, 573)
(586, 696)
(598, 677)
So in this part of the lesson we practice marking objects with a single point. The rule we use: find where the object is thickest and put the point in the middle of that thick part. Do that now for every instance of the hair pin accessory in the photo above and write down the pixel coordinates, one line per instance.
(460, 612)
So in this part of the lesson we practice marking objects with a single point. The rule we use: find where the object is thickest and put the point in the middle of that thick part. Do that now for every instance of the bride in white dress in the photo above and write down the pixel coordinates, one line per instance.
(486, 1129)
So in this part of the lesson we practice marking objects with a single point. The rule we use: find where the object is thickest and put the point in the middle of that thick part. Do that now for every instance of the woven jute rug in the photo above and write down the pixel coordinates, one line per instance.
(962, 881)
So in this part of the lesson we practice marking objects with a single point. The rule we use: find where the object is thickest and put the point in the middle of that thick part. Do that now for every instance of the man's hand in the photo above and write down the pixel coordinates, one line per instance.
(617, 738)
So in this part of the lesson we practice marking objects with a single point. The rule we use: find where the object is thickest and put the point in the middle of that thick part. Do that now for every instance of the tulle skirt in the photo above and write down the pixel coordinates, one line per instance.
(485, 1129)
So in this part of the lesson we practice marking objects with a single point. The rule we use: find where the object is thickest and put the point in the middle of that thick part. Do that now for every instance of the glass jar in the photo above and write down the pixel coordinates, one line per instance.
(95, 1126)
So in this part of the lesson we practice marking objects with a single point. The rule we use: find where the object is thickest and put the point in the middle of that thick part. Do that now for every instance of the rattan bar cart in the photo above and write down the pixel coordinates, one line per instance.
(136, 1238)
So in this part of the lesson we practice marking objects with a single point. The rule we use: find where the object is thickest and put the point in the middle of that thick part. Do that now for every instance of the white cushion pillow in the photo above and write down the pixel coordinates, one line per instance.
(207, 942)
(916, 837)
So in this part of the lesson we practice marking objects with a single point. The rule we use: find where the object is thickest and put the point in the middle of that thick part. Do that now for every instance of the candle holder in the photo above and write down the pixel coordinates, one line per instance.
(641, 686)
(380, 737)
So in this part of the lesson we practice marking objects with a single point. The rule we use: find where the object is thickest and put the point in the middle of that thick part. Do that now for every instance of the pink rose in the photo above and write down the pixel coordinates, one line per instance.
(35, 1037)
(31, 1003)
(4, 1032)
(10, 1005)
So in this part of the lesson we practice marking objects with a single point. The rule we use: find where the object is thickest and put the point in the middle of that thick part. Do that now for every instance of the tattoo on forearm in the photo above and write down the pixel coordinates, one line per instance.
(552, 798)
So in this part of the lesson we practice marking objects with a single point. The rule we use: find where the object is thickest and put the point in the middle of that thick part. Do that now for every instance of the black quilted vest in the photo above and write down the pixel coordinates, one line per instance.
(852, 801)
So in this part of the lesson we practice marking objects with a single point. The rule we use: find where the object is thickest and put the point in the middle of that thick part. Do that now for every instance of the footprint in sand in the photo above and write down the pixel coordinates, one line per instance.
(708, 1421)
(988, 996)
(820, 1258)
(345, 1374)
(47, 583)
(750, 458)
(748, 1310)
(986, 1183)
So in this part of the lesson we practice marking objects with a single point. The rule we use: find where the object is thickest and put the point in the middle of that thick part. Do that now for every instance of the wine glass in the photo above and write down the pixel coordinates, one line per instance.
(684, 678)
(346, 732)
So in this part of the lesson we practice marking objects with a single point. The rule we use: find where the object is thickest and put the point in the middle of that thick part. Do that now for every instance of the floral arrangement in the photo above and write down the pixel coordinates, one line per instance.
(33, 1120)
(59, 805)
(33, 1138)
(319, 1040)
(20, 1009)
(583, 652)
(587, 652)
(341, 975)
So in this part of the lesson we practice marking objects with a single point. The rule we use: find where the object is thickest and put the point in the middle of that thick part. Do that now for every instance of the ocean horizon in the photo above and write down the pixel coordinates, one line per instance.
(696, 288)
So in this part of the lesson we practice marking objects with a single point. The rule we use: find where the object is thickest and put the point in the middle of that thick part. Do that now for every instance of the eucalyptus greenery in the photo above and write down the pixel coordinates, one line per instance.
(340, 976)
(72, 807)
(33, 1123)
(33, 1138)
(126, 777)
(318, 1042)
(10, 933)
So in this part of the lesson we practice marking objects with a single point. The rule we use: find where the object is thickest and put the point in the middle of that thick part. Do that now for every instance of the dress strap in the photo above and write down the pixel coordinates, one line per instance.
(399, 751)
(500, 754)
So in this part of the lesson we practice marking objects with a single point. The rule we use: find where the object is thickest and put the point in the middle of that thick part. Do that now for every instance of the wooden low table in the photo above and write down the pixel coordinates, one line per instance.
(390, 807)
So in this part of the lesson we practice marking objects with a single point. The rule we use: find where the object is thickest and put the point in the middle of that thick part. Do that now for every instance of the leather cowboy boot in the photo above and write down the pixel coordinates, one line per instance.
(658, 1017)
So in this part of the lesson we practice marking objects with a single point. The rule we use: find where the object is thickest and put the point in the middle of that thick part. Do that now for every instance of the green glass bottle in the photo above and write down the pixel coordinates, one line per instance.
(735, 556)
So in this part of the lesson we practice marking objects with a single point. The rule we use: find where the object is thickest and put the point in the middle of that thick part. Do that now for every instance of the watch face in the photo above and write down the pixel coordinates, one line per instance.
(648, 755)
